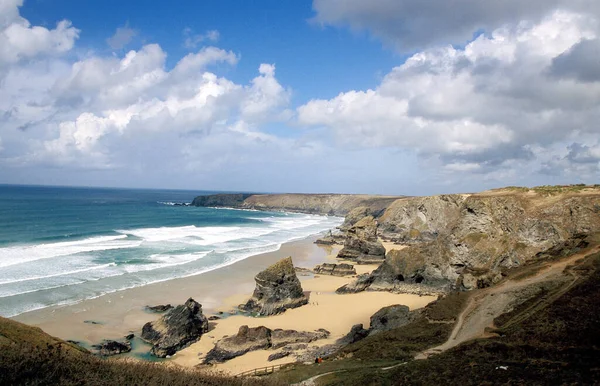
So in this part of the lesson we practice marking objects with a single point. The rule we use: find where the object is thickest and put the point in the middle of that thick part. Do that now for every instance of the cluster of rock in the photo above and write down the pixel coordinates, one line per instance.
(277, 289)
(331, 238)
(260, 338)
(112, 347)
(486, 234)
(361, 243)
(176, 329)
(342, 269)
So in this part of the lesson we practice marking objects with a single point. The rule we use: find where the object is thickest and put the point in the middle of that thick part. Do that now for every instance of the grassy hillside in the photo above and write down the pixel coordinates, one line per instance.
(28, 356)
(553, 338)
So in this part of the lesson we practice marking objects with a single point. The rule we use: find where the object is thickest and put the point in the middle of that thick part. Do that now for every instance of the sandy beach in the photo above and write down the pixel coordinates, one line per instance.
(114, 315)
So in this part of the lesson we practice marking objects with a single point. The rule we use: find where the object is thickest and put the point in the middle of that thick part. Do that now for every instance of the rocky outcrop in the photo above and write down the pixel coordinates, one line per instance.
(277, 289)
(331, 238)
(159, 308)
(112, 347)
(492, 233)
(327, 204)
(335, 269)
(354, 216)
(176, 329)
(362, 244)
(419, 219)
(391, 317)
(280, 338)
(234, 200)
(357, 332)
(259, 338)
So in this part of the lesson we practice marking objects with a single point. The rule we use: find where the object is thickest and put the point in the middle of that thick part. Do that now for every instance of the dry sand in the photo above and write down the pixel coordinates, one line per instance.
(222, 290)
(326, 309)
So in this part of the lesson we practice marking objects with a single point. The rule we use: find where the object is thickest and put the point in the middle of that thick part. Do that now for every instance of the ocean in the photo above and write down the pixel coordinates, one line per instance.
(61, 245)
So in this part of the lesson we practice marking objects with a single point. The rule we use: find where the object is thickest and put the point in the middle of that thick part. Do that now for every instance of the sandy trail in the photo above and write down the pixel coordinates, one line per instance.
(485, 305)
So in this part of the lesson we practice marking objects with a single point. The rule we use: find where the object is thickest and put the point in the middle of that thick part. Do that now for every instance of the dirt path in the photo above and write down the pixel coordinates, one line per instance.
(485, 305)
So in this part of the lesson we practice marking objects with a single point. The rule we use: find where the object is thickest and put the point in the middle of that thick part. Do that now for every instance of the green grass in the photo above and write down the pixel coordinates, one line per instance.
(557, 343)
(28, 356)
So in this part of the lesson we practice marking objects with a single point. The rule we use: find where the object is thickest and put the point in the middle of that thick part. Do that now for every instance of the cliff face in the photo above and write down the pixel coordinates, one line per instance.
(489, 233)
(327, 204)
(460, 241)
(418, 219)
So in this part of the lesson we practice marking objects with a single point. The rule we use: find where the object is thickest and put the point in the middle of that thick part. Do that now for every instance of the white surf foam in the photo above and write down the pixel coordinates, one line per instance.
(27, 253)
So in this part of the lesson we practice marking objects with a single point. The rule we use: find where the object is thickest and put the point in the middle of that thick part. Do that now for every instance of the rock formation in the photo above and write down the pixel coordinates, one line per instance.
(258, 338)
(361, 243)
(112, 347)
(331, 238)
(391, 317)
(491, 233)
(159, 308)
(419, 219)
(335, 269)
(176, 329)
(277, 289)
(357, 332)
(327, 204)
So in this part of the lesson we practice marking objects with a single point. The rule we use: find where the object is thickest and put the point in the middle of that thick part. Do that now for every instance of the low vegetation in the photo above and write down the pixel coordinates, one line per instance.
(28, 356)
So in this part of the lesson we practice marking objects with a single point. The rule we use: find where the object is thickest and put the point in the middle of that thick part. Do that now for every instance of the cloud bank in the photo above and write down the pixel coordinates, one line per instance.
(519, 103)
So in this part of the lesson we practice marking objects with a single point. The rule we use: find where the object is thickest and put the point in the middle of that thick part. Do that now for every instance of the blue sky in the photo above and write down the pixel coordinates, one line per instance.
(389, 97)
(278, 32)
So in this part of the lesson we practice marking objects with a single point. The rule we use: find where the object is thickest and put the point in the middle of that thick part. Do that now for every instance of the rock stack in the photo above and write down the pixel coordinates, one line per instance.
(361, 243)
(277, 289)
(176, 329)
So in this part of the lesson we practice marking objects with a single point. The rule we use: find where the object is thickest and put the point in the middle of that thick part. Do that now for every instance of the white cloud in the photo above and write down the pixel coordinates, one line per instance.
(19, 40)
(192, 41)
(122, 37)
(474, 109)
(410, 25)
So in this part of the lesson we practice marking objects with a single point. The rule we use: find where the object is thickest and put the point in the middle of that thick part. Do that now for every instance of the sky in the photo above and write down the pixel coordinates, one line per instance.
(340, 96)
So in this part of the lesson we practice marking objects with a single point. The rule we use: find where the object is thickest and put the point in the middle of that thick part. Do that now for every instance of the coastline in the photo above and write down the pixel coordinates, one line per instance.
(114, 315)
(119, 313)
(336, 313)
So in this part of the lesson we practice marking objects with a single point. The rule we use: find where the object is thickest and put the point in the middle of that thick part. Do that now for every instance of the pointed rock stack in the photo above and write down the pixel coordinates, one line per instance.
(277, 289)
(176, 329)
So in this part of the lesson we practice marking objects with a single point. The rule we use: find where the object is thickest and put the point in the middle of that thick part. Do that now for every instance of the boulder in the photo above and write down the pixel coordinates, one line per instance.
(277, 289)
(357, 332)
(176, 329)
(361, 241)
(259, 338)
(112, 347)
(280, 338)
(391, 317)
(279, 355)
(159, 308)
(247, 339)
(335, 269)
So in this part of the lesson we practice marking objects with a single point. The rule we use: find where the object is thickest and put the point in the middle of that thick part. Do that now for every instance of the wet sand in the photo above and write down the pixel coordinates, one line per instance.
(120, 313)
(117, 314)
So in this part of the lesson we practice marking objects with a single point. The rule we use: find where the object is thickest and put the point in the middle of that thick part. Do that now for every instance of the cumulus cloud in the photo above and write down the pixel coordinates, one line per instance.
(19, 40)
(122, 37)
(580, 62)
(192, 41)
(481, 107)
(410, 25)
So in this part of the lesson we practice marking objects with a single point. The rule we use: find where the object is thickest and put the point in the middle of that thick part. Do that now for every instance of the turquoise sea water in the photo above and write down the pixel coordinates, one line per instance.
(61, 245)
